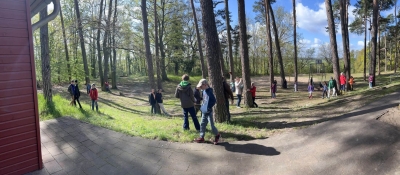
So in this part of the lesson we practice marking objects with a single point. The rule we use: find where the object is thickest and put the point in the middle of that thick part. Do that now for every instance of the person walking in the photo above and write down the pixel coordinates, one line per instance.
(310, 90)
(94, 95)
(324, 90)
(71, 90)
(331, 86)
(152, 101)
(253, 93)
(238, 90)
(159, 99)
(351, 82)
(77, 94)
(197, 98)
(207, 112)
(228, 94)
(185, 94)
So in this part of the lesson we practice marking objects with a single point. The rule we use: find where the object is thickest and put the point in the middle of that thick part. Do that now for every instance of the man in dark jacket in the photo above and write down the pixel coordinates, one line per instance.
(153, 101)
(185, 93)
(71, 90)
(228, 95)
(77, 94)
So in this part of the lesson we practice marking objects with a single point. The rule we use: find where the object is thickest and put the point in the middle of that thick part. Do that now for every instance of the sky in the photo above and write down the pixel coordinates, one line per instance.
(311, 20)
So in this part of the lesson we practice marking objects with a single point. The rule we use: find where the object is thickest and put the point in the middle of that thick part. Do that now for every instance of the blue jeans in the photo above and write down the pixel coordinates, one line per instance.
(192, 113)
(370, 84)
(205, 119)
(94, 102)
(227, 109)
(239, 96)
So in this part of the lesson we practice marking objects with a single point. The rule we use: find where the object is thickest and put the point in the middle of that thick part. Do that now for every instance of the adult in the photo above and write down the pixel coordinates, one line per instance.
(152, 101)
(94, 95)
(71, 90)
(342, 81)
(159, 99)
(228, 94)
(239, 90)
(77, 94)
(197, 98)
(184, 92)
(332, 86)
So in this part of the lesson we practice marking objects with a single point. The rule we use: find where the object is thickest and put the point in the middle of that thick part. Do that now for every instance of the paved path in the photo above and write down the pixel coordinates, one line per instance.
(354, 143)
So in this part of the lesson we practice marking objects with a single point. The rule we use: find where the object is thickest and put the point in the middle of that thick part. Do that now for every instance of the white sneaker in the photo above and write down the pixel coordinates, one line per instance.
(238, 107)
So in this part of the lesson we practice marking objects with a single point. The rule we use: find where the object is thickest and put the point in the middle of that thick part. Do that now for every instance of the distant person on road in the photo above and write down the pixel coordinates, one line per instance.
(228, 94)
(324, 90)
(153, 101)
(371, 79)
(342, 81)
(77, 94)
(94, 95)
(331, 86)
(207, 112)
(197, 98)
(239, 90)
(71, 90)
(310, 90)
(253, 93)
(160, 99)
(184, 92)
(351, 82)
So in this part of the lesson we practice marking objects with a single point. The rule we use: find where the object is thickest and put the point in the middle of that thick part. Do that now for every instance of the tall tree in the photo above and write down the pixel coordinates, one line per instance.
(332, 36)
(269, 42)
(98, 46)
(203, 66)
(156, 47)
(244, 54)
(395, 53)
(65, 46)
(114, 48)
(147, 44)
(45, 58)
(345, 31)
(214, 68)
(278, 46)
(228, 32)
(106, 41)
(372, 69)
(82, 41)
(295, 40)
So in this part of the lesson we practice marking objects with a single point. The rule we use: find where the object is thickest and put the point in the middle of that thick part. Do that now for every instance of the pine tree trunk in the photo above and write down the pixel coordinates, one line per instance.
(365, 42)
(269, 43)
(156, 47)
(345, 29)
(114, 65)
(372, 70)
(244, 54)
(82, 42)
(332, 36)
(214, 68)
(98, 46)
(45, 59)
(147, 45)
(228, 31)
(379, 50)
(203, 66)
(106, 49)
(295, 41)
(278, 47)
(65, 46)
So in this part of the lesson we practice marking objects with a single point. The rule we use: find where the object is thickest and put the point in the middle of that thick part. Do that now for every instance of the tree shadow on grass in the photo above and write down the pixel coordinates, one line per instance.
(51, 109)
(250, 148)
(88, 115)
(119, 107)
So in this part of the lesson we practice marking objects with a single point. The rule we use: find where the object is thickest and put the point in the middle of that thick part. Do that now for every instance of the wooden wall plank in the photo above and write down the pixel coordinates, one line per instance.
(12, 4)
(16, 138)
(16, 100)
(16, 123)
(12, 14)
(19, 67)
(14, 50)
(18, 159)
(26, 162)
(15, 108)
(14, 24)
(16, 33)
(24, 170)
(17, 130)
(10, 76)
(12, 41)
(15, 84)
(15, 92)
(17, 145)
(17, 152)
(12, 59)
(16, 115)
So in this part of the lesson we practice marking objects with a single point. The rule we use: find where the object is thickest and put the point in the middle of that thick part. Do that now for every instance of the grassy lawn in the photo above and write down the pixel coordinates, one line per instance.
(130, 113)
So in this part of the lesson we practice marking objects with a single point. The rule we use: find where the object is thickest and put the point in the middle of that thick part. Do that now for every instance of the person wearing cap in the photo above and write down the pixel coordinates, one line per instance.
(207, 113)
(71, 90)
(185, 94)
(332, 86)
(94, 95)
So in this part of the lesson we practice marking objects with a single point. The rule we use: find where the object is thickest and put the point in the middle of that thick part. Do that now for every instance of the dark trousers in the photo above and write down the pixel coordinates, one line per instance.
(254, 102)
(227, 109)
(77, 100)
(324, 93)
(197, 108)
(94, 102)
(153, 109)
(192, 112)
(239, 96)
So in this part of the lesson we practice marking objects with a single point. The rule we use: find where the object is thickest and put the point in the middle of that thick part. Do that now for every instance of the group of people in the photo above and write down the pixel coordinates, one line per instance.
(331, 86)
(238, 88)
(156, 98)
(74, 92)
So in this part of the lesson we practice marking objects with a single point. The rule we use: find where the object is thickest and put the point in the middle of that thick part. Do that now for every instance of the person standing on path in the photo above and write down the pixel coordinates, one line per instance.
(198, 98)
(331, 86)
(342, 81)
(77, 94)
(253, 93)
(207, 112)
(159, 99)
(94, 95)
(152, 101)
(71, 90)
(184, 92)
(228, 95)
(239, 90)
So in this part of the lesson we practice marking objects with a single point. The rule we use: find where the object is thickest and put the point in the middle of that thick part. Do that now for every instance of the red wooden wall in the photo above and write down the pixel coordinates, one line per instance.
(20, 149)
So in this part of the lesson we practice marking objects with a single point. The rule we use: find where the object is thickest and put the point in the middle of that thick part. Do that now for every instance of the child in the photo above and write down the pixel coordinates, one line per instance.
(107, 86)
(93, 95)
(273, 89)
(239, 89)
(310, 90)
(371, 79)
(206, 109)
(324, 90)
(159, 99)
(88, 88)
(77, 94)
(253, 93)
(152, 101)
(295, 86)
(351, 82)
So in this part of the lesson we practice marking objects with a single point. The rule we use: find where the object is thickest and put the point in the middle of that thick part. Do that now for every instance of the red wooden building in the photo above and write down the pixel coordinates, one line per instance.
(20, 148)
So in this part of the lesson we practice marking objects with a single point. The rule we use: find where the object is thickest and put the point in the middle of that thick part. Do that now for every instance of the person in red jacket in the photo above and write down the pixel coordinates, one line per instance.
(253, 93)
(342, 82)
(93, 95)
